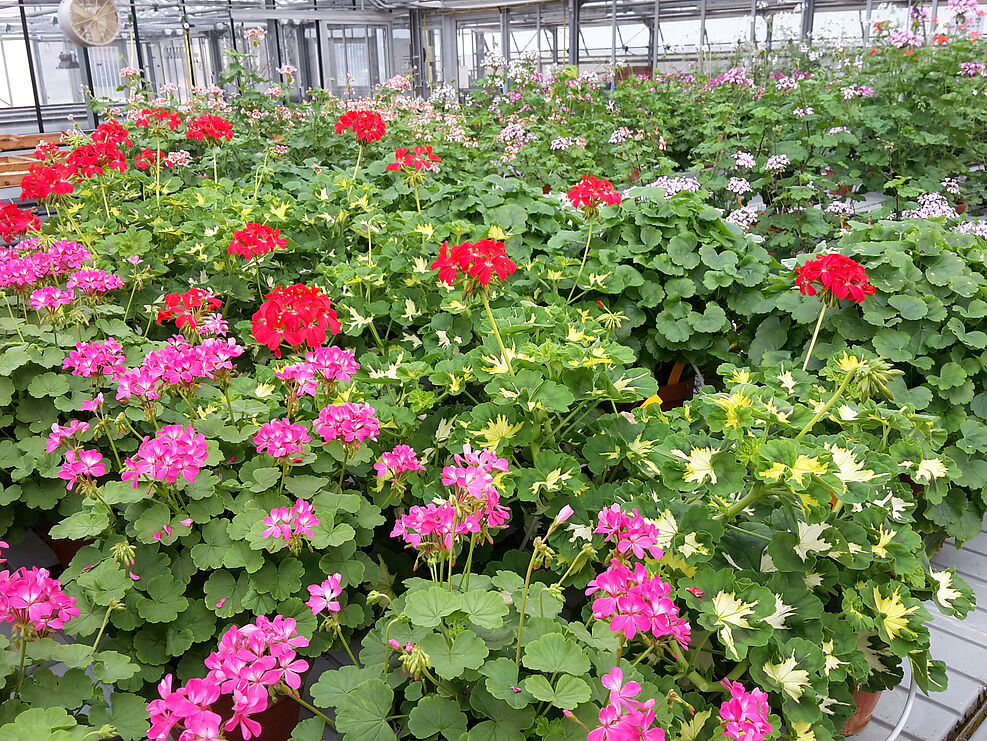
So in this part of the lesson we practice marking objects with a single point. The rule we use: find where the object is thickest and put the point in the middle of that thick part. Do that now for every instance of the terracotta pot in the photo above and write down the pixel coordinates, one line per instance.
(546, 189)
(63, 548)
(961, 207)
(866, 704)
(277, 722)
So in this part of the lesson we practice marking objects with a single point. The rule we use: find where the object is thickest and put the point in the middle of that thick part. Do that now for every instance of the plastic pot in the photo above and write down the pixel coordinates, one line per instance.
(866, 705)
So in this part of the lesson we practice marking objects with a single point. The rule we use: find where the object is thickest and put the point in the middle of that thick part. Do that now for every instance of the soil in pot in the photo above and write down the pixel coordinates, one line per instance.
(277, 722)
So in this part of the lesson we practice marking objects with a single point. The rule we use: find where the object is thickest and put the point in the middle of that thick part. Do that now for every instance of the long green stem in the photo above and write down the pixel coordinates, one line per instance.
(346, 646)
(815, 335)
(215, 164)
(106, 202)
(20, 669)
(130, 301)
(418, 204)
(524, 601)
(356, 170)
(312, 708)
(469, 565)
(102, 628)
(342, 470)
(260, 172)
(157, 175)
(829, 404)
(12, 317)
(260, 291)
(752, 496)
(582, 265)
(496, 331)
(229, 407)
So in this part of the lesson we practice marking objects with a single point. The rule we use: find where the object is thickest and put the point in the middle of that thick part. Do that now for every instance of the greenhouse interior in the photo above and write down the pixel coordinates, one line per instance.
(578, 370)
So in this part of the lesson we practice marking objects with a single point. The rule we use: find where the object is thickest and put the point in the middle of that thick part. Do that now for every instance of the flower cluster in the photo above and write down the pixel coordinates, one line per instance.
(349, 423)
(324, 595)
(209, 129)
(86, 465)
(414, 159)
(972, 69)
(14, 222)
(931, 206)
(395, 464)
(739, 186)
(255, 240)
(744, 160)
(900, 39)
(282, 440)
(44, 182)
(474, 490)
(475, 261)
(61, 433)
(175, 451)
(30, 262)
(89, 160)
(624, 717)
(745, 217)
(188, 309)
(744, 717)
(290, 524)
(34, 602)
(180, 365)
(430, 529)
(51, 298)
(631, 599)
(590, 193)
(249, 663)
(835, 277)
(776, 163)
(94, 282)
(298, 315)
(158, 119)
(323, 368)
(367, 125)
(672, 185)
(96, 359)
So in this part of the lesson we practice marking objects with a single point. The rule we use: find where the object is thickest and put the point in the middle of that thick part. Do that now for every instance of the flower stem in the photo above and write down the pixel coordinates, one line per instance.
(312, 708)
(260, 291)
(12, 317)
(737, 507)
(829, 404)
(524, 601)
(215, 165)
(342, 470)
(418, 203)
(20, 669)
(102, 628)
(815, 335)
(493, 325)
(469, 564)
(229, 407)
(346, 646)
(582, 265)
(157, 175)
(356, 170)
(106, 203)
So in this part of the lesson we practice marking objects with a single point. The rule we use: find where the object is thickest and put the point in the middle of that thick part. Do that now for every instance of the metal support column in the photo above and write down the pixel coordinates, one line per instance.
(505, 33)
(574, 33)
(88, 70)
(229, 11)
(702, 34)
(655, 31)
(613, 35)
(417, 46)
(808, 16)
(450, 49)
(137, 38)
(538, 35)
(754, 23)
(865, 31)
(935, 16)
(30, 67)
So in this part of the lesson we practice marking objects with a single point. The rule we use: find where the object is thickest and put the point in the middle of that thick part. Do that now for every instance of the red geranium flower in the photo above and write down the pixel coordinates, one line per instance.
(44, 181)
(94, 159)
(255, 240)
(590, 193)
(13, 221)
(367, 125)
(146, 159)
(189, 308)
(477, 261)
(209, 129)
(158, 118)
(112, 132)
(47, 152)
(837, 277)
(418, 158)
(940, 39)
(298, 315)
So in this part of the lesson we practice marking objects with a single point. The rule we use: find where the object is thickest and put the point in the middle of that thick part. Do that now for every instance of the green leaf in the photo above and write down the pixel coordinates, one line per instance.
(110, 667)
(911, 307)
(427, 607)
(466, 652)
(127, 713)
(334, 685)
(502, 682)
(48, 384)
(105, 582)
(363, 715)
(554, 653)
(72, 690)
(82, 525)
(281, 581)
(569, 691)
(434, 715)
(209, 554)
(484, 609)
(165, 600)
(37, 724)
(310, 729)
